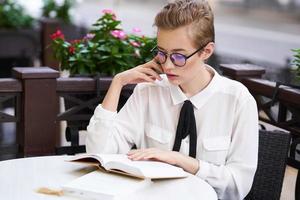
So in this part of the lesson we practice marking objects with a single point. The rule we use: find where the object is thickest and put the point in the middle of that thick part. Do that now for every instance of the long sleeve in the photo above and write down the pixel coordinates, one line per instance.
(112, 132)
(234, 179)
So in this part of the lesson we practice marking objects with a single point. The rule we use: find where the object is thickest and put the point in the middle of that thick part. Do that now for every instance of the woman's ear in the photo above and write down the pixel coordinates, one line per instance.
(208, 50)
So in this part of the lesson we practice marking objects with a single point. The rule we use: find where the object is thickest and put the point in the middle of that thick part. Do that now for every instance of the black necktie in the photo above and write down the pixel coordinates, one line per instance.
(186, 126)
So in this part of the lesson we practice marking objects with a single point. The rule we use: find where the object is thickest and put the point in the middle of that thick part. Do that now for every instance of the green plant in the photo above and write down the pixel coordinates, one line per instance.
(58, 9)
(12, 15)
(107, 49)
(296, 61)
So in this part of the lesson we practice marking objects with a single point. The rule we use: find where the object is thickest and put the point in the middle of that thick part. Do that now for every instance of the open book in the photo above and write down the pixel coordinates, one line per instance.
(104, 186)
(119, 163)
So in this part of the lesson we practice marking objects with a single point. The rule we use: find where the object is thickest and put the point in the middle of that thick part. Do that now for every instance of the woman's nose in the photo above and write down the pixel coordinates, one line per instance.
(168, 65)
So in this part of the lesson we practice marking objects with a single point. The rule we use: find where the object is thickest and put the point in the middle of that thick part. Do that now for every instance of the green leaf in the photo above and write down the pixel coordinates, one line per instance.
(72, 59)
(84, 51)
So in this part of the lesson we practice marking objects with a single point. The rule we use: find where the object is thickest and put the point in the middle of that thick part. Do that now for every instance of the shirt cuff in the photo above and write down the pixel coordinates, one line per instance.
(102, 113)
(203, 169)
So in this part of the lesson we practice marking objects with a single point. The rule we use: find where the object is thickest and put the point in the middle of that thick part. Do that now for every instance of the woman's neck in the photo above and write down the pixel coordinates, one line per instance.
(198, 83)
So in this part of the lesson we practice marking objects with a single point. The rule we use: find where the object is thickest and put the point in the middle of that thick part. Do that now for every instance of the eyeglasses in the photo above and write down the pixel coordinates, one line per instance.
(177, 59)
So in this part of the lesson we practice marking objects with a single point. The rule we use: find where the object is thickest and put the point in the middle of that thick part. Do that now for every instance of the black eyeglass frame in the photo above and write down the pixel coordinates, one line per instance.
(184, 56)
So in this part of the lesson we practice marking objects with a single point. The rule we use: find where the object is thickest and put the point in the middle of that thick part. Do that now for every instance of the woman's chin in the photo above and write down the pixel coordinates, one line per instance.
(174, 82)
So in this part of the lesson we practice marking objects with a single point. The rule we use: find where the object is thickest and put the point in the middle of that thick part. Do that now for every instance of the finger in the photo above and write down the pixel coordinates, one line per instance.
(139, 81)
(146, 154)
(140, 77)
(157, 67)
(133, 151)
(146, 78)
(150, 156)
(137, 156)
(152, 153)
(151, 73)
(154, 65)
(137, 151)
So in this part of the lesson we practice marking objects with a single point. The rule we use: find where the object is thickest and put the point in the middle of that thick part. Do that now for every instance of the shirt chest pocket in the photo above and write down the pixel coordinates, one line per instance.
(158, 137)
(215, 149)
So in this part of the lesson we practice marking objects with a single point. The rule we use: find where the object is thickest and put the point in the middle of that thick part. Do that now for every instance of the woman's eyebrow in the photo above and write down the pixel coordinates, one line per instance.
(160, 48)
(179, 49)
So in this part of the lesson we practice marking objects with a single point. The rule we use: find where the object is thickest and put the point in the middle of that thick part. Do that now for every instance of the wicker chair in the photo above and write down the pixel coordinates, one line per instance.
(272, 154)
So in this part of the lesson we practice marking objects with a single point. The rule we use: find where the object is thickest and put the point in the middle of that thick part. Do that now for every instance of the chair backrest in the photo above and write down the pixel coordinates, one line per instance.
(272, 154)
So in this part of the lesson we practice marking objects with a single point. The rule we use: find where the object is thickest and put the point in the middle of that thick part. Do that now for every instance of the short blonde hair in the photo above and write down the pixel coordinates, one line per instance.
(196, 13)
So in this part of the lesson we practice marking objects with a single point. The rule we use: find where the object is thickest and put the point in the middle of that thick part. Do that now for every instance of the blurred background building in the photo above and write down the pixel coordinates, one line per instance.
(261, 32)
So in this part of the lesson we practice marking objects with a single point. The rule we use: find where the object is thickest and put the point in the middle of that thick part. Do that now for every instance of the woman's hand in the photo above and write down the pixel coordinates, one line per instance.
(154, 154)
(187, 163)
(148, 72)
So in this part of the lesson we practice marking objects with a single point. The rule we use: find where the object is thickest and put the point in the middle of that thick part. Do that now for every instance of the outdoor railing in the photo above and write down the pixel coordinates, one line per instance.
(81, 96)
(36, 93)
(10, 95)
(278, 104)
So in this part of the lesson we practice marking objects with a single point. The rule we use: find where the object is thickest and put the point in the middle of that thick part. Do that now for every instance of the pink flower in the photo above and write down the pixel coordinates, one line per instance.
(122, 35)
(108, 11)
(118, 34)
(136, 30)
(72, 49)
(115, 33)
(89, 36)
(75, 41)
(57, 34)
(135, 44)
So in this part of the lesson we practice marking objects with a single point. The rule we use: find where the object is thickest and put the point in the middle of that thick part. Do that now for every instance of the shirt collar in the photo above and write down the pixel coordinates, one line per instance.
(199, 99)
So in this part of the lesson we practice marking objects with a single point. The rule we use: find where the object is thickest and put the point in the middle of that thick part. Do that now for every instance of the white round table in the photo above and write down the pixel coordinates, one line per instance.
(20, 178)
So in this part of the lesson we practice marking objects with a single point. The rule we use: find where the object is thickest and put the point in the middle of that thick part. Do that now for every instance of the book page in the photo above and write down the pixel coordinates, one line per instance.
(87, 158)
(101, 185)
(159, 170)
(120, 163)
(106, 158)
(144, 169)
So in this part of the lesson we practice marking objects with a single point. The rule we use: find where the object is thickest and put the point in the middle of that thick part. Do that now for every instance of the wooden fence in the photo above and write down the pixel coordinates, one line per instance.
(35, 93)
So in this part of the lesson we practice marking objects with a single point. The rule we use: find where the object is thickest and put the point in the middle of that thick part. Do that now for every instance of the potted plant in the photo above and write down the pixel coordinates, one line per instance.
(106, 49)
(296, 67)
(19, 37)
(296, 61)
(56, 14)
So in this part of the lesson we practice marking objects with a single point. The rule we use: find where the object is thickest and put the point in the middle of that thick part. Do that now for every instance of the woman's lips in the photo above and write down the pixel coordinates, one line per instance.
(171, 76)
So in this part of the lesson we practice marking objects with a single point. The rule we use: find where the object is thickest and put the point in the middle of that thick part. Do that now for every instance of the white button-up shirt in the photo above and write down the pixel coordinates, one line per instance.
(227, 129)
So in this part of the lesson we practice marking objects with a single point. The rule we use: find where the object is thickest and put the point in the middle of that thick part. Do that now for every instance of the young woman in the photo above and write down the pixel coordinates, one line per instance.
(189, 116)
